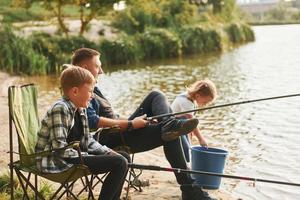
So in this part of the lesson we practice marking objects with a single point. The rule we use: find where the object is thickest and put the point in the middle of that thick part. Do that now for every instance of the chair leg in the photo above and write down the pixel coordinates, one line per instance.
(36, 186)
(11, 182)
(67, 187)
(22, 178)
(89, 187)
(26, 184)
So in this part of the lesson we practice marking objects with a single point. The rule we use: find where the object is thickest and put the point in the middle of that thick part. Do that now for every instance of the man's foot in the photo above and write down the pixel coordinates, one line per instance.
(173, 128)
(196, 193)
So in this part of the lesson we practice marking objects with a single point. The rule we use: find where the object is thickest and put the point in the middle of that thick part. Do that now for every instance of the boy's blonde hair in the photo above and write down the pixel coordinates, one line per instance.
(74, 76)
(203, 87)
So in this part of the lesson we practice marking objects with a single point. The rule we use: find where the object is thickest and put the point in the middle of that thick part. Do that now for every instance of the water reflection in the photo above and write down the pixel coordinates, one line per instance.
(262, 138)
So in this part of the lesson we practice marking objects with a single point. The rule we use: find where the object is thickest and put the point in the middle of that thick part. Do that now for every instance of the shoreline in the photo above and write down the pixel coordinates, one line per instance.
(163, 185)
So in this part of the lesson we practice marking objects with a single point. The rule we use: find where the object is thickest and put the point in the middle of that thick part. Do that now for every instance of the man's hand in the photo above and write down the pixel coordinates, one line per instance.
(139, 122)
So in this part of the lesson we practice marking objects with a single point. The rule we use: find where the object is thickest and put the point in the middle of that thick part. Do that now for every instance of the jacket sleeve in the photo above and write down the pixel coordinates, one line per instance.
(93, 117)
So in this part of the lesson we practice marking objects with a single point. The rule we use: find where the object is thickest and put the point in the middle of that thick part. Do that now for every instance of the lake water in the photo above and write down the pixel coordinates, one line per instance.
(263, 138)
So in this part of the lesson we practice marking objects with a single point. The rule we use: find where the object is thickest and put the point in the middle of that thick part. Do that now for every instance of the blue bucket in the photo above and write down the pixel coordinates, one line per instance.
(208, 160)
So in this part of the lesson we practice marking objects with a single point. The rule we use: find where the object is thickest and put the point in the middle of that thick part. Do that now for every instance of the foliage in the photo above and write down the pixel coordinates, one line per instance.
(45, 188)
(18, 55)
(13, 14)
(239, 33)
(160, 43)
(141, 14)
(124, 50)
(57, 49)
(196, 39)
(87, 9)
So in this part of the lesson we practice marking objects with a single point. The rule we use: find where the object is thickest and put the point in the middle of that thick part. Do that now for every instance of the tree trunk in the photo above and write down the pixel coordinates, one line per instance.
(85, 22)
(60, 19)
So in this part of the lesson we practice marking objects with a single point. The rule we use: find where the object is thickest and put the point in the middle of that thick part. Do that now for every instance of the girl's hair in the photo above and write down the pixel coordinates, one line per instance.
(203, 87)
(74, 76)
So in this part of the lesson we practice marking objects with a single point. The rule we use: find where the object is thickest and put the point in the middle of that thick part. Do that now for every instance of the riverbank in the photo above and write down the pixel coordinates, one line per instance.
(162, 184)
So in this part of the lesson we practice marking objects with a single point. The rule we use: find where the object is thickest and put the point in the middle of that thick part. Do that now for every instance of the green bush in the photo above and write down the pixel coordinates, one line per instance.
(58, 49)
(19, 56)
(248, 32)
(121, 51)
(160, 43)
(212, 41)
(134, 19)
(235, 33)
(239, 33)
(46, 45)
(142, 14)
(196, 39)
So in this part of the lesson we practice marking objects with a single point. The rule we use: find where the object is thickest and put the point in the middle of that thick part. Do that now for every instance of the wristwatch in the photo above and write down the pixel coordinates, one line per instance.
(129, 125)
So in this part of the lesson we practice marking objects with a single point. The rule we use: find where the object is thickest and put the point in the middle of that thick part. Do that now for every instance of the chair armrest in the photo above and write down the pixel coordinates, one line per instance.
(74, 145)
(106, 130)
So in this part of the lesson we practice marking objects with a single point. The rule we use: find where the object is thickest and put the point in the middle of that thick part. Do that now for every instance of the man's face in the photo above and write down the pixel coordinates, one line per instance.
(94, 66)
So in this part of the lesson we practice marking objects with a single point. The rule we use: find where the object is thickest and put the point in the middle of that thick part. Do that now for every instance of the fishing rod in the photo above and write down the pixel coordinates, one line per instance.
(220, 106)
(177, 170)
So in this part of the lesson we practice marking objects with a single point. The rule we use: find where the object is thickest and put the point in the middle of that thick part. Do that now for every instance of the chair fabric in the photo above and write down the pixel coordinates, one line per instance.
(23, 113)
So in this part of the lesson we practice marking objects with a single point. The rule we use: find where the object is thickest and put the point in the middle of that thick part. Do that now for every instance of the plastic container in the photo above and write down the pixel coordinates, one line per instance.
(208, 160)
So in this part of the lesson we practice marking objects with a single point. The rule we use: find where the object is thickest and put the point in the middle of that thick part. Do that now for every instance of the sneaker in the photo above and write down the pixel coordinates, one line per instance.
(173, 128)
(196, 193)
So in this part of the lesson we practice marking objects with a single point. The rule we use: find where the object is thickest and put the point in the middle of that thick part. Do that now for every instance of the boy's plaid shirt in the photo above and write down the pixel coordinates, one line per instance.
(53, 134)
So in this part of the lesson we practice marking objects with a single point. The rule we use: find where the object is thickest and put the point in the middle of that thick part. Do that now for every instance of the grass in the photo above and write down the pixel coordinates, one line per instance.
(45, 188)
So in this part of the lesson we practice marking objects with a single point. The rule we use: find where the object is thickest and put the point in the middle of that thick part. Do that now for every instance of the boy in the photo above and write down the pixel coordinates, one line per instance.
(66, 121)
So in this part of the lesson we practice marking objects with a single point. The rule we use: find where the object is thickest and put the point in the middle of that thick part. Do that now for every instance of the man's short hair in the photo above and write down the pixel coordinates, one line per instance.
(83, 54)
(74, 76)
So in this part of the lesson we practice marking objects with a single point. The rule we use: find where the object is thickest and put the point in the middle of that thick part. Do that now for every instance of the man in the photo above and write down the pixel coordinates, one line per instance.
(136, 133)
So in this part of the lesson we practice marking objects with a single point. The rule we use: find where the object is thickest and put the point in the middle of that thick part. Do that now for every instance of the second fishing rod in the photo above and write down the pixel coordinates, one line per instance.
(221, 106)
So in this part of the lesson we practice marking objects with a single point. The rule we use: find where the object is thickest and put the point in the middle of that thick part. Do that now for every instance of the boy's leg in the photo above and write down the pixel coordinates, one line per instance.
(113, 163)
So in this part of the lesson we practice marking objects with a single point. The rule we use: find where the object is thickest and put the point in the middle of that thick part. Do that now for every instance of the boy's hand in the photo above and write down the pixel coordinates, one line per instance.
(139, 122)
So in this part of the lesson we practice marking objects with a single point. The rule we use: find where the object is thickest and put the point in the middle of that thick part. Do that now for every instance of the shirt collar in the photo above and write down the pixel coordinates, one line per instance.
(70, 104)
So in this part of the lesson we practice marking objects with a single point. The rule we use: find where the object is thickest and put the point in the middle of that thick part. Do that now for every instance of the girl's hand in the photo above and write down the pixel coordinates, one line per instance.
(203, 143)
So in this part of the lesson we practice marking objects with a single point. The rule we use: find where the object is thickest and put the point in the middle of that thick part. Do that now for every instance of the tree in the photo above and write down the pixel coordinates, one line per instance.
(88, 10)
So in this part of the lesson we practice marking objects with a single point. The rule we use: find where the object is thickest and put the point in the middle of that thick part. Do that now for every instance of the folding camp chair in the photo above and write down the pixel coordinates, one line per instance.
(23, 114)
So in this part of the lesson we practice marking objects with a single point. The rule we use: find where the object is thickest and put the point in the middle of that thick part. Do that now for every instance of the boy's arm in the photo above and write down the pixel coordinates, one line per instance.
(58, 129)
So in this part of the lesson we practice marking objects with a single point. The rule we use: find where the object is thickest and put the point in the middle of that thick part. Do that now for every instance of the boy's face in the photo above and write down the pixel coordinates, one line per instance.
(81, 96)
(94, 66)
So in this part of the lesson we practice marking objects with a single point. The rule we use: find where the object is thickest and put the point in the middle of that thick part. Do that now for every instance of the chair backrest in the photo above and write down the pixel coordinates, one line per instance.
(23, 112)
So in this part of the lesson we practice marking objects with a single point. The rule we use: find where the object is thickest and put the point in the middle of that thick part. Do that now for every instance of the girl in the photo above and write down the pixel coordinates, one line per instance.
(199, 93)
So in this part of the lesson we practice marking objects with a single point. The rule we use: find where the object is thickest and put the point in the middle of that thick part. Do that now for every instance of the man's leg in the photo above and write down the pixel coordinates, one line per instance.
(149, 138)
(155, 103)
(113, 163)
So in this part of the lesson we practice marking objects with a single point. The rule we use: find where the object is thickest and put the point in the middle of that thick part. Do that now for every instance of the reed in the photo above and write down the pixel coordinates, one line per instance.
(18, 55)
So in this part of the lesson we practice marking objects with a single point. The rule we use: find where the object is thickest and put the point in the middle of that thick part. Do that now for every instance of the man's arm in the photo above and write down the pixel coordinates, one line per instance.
(138, 122)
